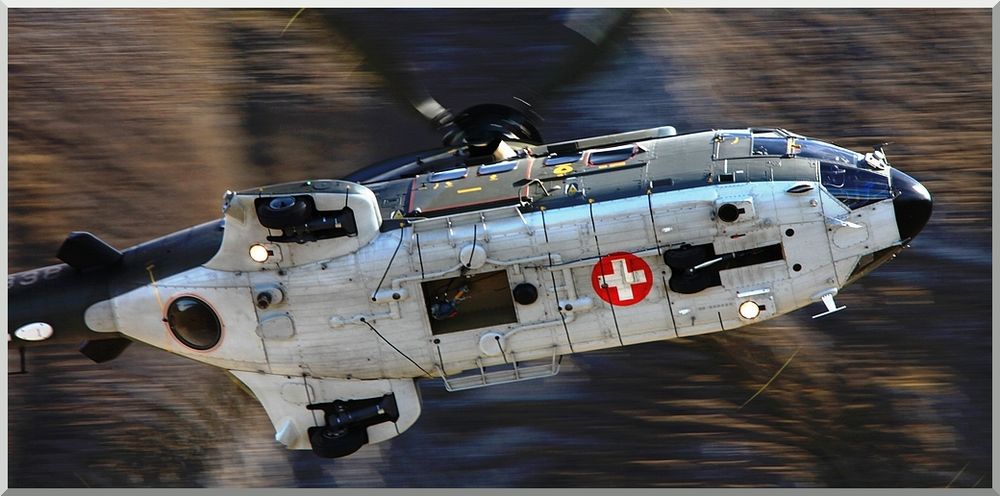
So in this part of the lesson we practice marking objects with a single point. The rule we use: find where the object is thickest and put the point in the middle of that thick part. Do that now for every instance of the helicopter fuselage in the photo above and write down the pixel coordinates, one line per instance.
(489, 274)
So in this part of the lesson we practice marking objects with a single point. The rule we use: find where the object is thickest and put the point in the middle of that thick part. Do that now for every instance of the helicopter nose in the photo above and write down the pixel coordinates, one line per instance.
(912, 204)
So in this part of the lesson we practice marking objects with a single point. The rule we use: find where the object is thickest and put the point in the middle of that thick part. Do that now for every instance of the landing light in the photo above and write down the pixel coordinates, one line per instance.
(749, 310)
(259, 253)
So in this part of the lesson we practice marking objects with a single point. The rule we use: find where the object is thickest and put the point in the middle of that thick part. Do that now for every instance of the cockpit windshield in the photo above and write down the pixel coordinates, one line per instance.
(828, 153)
(770, 144)
(853, 186)
(844, 173)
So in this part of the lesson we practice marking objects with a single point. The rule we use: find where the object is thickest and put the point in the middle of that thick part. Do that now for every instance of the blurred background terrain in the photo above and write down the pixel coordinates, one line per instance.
(133, 123)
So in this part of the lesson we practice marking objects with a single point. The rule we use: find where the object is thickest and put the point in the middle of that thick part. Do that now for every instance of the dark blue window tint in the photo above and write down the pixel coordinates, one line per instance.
(563, 159)
(611, 156)
(827, 152)
(853, 186)
(194, 323)
(448, 175)
(497, 168)
(770, 146)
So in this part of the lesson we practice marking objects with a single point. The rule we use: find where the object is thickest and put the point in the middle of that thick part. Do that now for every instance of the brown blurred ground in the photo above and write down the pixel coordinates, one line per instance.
(132, 123)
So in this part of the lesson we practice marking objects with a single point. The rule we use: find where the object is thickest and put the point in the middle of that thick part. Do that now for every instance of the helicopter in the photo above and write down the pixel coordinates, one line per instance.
(479, 263)
(327, 298)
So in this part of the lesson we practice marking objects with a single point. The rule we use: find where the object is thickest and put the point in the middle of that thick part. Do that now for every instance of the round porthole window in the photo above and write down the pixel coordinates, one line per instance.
(194, 323)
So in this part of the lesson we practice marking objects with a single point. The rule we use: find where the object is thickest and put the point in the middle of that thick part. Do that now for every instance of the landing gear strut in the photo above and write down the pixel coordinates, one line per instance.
(347, 422)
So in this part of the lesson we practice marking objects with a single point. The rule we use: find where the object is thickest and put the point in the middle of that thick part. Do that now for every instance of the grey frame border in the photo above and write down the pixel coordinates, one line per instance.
(563, 491)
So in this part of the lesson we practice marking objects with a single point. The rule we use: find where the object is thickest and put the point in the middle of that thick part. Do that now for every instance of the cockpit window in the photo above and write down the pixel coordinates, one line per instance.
(770, 146)
(805, 148)
(853, 186)
(827, 152)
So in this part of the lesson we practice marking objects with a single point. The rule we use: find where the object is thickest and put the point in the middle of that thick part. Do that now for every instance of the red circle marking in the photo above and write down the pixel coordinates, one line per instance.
(622, 279)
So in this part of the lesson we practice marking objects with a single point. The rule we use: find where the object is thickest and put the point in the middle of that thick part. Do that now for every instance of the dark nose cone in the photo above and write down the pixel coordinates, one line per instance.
(912, 203)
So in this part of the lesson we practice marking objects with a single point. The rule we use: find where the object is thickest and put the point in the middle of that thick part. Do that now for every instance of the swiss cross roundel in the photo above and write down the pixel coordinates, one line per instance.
(622, 279)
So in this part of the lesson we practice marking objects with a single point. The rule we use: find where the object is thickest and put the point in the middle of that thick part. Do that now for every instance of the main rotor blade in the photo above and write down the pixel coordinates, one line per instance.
(596, 32)
(399, 77)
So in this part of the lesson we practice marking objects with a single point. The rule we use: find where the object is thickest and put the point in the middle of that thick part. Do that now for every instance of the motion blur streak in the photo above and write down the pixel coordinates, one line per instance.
(130, 124)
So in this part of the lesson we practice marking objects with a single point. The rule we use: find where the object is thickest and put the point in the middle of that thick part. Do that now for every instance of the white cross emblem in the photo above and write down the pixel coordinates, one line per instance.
(622, 279)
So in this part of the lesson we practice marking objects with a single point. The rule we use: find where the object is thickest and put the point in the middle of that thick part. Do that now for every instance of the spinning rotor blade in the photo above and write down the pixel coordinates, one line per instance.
(480, 127)
(399, 78)
(478, 130)
(595, 33)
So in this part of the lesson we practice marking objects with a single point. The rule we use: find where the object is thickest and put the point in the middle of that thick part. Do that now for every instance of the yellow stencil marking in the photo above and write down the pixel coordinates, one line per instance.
(469, 190)
(775, 376)
(562, 170)
(156, 291)
(736, 140)
(436, 185)
(493, 177)
(448, 184)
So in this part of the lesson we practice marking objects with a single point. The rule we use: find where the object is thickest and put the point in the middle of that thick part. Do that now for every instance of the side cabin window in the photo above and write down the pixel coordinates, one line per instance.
(485, 170)
(469, 302)
(612, 155)
(563, 159)
(770, 146)
(448, 175)
(729, 145)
